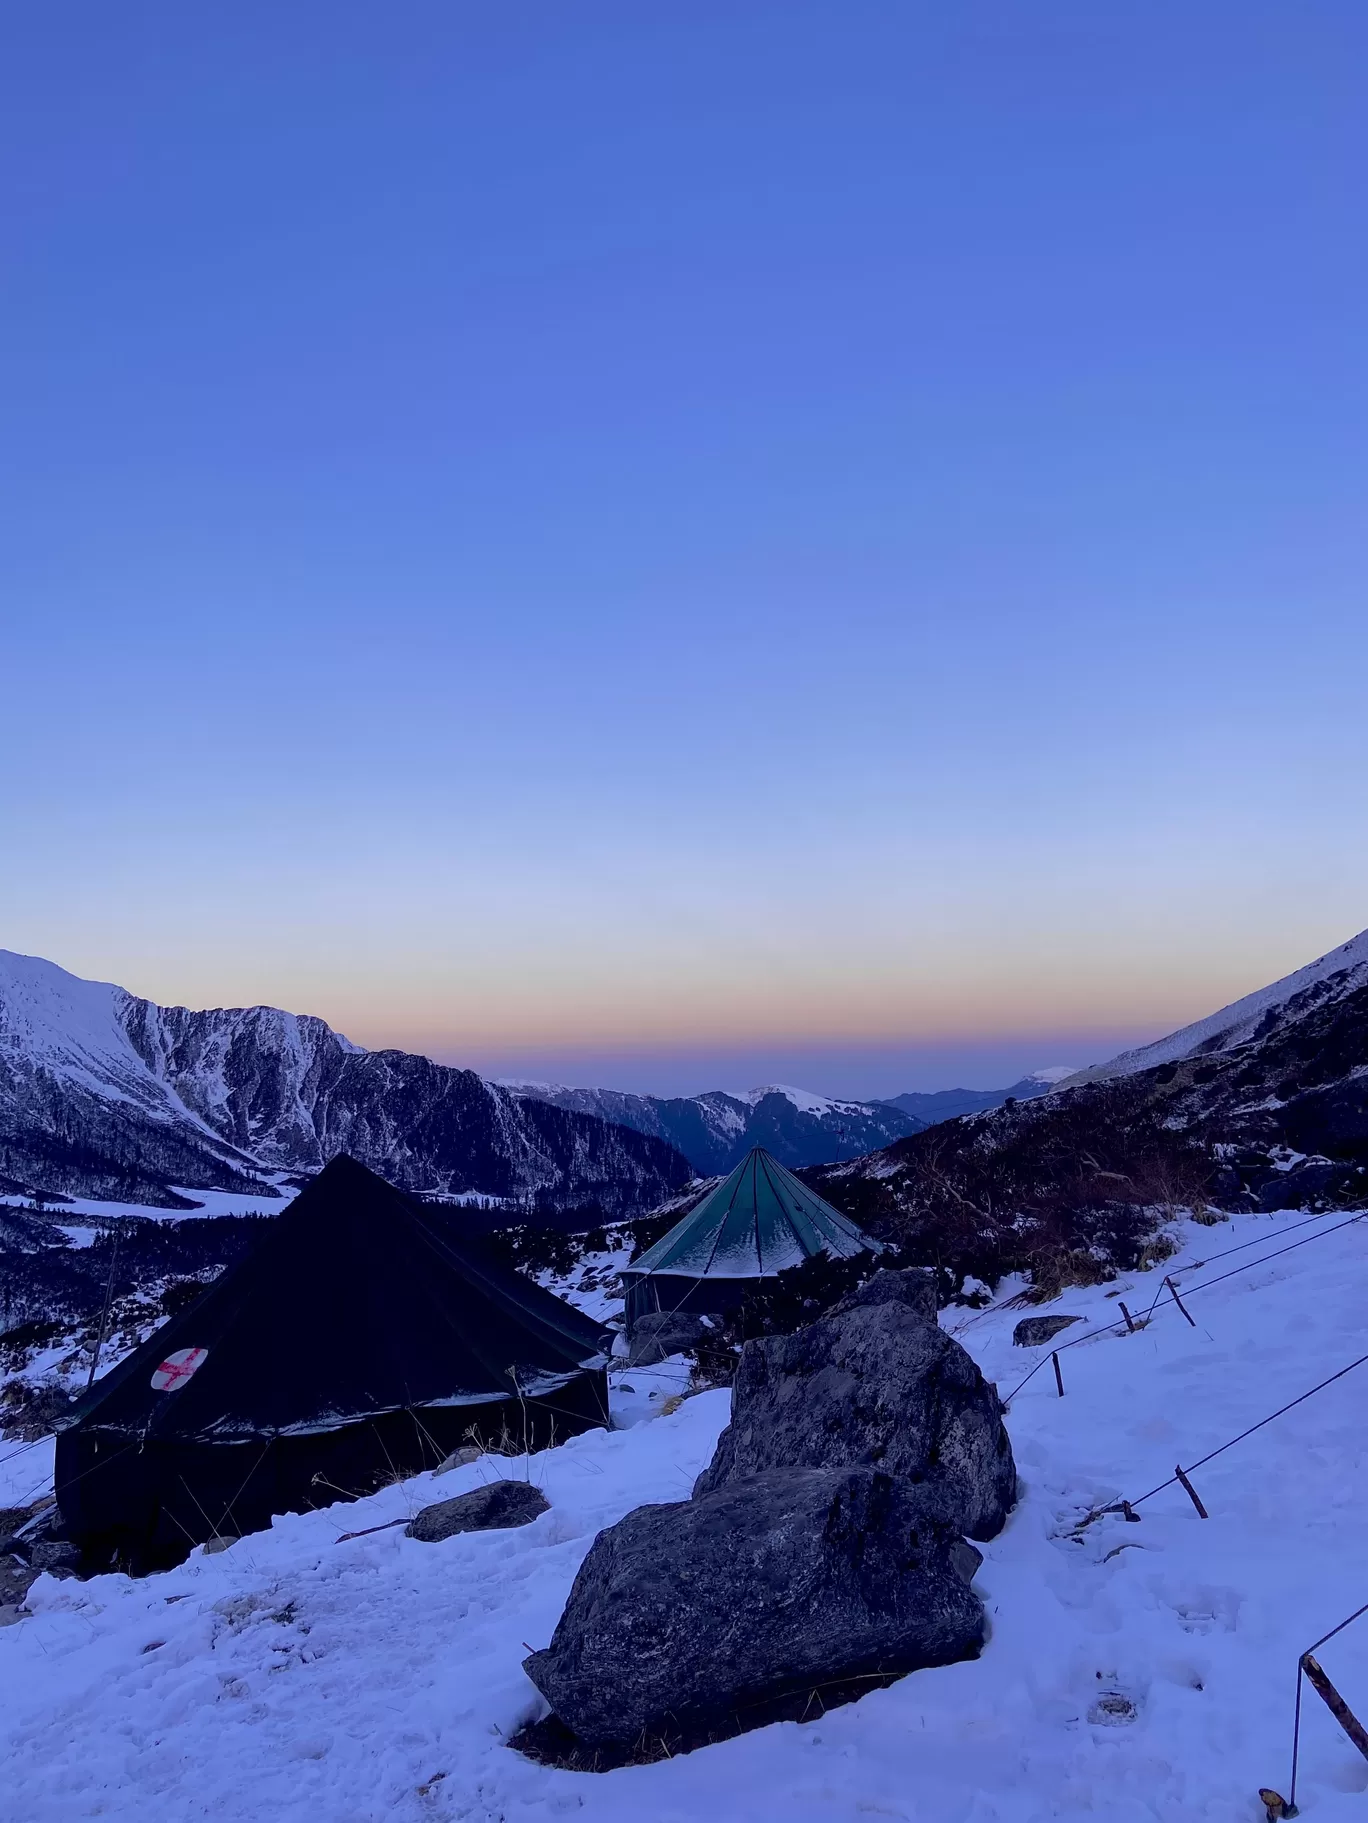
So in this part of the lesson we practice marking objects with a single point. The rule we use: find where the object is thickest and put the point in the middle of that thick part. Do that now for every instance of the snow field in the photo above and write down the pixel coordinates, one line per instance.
(1133, 1671)
(25, 1474)
(81, 1215)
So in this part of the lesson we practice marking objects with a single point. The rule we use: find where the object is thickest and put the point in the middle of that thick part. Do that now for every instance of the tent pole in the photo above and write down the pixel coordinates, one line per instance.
(104, 1314)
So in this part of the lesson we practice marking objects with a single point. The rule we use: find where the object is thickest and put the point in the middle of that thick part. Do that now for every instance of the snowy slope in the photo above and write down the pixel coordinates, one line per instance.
(1133, 1673)
(1331, 977)
(106, 1095)
(56, 1022)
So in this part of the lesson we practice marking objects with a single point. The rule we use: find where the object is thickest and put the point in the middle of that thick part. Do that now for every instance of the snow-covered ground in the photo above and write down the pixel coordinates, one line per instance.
(1133, 1671)
(25, 1475)
(81, 1212)
(592, 1284)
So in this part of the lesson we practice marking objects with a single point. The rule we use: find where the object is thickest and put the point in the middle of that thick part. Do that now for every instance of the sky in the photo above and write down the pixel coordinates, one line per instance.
(687, 545)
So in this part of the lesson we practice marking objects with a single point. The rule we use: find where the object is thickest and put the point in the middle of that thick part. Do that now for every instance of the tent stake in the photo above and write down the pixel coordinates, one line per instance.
(1059, 1378)
(1335, 1703)
(1179, 1302)
(1130, 1321)
(1191, 1493)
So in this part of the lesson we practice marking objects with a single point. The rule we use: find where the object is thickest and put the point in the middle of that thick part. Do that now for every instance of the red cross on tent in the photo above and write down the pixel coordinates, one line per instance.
(177, 1368)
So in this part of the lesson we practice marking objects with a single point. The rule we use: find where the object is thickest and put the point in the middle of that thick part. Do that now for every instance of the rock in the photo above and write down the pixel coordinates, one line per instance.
(58, 1556)
(1030, 1332)
(1224, 1181)
(221, 1541)
(660, 1333)
(682, 1616)
(915, 1290)
(1332, 1119)
(1315, 1180)
(874, 1384)
(486, 1509)
(16, 1578)
(459, 1459)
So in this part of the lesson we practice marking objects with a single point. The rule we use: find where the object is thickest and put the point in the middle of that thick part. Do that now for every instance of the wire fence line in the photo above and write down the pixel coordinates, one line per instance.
(1127, 1323)
(1220, 1450)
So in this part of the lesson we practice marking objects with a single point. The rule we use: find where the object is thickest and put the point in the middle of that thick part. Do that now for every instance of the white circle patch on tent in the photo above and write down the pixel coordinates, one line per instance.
(177, 1368)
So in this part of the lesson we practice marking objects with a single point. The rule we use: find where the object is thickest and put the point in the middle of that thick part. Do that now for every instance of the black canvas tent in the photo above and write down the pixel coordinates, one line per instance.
(363, 1338)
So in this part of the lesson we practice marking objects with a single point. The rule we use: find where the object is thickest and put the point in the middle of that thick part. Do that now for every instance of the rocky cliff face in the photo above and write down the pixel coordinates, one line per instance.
(104, 1094)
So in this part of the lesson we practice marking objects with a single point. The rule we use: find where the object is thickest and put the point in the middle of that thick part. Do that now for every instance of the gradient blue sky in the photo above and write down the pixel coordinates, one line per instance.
(686, 544)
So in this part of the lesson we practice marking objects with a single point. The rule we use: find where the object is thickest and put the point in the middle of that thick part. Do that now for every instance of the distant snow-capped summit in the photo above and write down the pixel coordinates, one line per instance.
(716, 1129)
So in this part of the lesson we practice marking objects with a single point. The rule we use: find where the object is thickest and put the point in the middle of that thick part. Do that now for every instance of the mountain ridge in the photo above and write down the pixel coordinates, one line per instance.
(936, 1105)
(106, 1094)
(714, 1130)
(1261, 1106)
(1331, 976)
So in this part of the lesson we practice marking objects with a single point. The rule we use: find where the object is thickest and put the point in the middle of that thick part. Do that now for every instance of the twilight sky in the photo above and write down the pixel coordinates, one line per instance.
(682, 545)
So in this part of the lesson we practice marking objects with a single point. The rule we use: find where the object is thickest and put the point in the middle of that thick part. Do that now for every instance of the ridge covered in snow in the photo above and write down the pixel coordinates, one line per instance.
(107, 1095)
(1333, 976)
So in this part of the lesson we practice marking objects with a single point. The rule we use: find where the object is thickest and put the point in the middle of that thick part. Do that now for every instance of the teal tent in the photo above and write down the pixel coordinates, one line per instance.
(758, 1222)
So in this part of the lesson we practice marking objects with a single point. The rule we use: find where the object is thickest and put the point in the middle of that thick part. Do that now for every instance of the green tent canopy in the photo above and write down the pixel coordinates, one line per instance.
(758, 1222)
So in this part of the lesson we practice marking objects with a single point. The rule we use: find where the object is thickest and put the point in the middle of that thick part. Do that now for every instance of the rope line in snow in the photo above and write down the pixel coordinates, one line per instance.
(1124, 1325)
(1211, 1455)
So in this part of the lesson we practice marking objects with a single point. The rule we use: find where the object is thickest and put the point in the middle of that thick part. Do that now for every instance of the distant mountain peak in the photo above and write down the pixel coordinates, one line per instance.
(716, 1128)
(803, 1099)
(935, 1105)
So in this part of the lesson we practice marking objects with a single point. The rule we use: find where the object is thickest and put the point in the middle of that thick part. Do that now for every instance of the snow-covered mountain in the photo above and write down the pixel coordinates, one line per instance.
(1330, 979)
(949, 1104)
(717, 1128)
(1263, 1105)
(103, 1094)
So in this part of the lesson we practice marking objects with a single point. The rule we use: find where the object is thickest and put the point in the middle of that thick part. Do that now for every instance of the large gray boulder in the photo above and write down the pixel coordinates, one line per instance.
(686, 1617)
(876, 1383)
(497, 1505)
(661, 1333)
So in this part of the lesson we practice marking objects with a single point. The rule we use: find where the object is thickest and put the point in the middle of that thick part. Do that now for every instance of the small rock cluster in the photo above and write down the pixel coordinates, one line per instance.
(29, 1545)
(823, 1549)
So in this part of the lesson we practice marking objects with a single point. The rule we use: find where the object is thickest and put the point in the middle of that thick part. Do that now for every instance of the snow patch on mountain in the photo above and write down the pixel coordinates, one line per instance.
(803, 1099)
(72, 1029)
